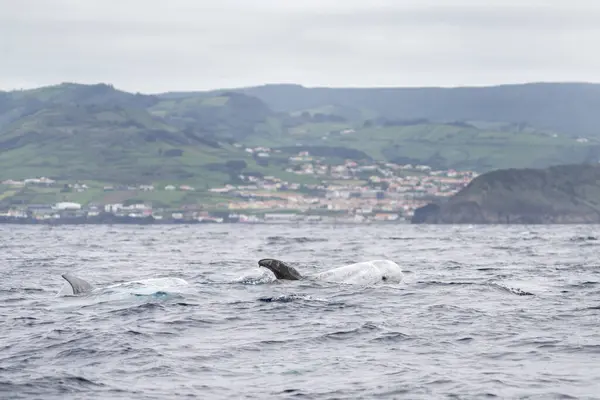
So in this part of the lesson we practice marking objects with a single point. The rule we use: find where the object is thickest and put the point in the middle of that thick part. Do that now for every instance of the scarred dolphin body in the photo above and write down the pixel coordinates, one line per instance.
(366, 272)
(148, 286)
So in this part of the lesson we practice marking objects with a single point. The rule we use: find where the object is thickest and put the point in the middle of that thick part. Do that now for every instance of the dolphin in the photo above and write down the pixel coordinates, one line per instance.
(280, 269)
(358, 273)
(82, 287)
(78, 285)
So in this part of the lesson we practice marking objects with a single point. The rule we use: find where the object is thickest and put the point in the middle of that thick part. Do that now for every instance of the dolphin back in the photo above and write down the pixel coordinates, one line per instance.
(363, 273)
(77, 284)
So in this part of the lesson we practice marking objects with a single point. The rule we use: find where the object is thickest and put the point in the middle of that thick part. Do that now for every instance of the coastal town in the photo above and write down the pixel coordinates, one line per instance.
(350, 192)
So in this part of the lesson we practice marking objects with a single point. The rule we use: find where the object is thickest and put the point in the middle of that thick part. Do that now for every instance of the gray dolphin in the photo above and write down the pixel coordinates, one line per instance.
(78, 285)
(148, 285)
(280, 269)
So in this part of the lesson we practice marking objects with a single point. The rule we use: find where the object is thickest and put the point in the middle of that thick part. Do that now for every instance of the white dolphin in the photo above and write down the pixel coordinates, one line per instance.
(366, 272)
(148, 286)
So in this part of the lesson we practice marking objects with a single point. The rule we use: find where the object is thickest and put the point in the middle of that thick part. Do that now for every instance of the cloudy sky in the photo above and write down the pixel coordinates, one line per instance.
(154, 46)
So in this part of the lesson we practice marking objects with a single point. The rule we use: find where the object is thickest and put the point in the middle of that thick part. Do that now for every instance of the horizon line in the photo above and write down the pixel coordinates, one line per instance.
(304, 86)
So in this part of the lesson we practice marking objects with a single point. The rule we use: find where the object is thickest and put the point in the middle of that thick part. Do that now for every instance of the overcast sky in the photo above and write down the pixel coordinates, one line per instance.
(154, 46)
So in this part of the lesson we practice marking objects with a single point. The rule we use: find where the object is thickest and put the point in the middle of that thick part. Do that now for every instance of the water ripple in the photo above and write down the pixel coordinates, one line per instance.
(484, 312)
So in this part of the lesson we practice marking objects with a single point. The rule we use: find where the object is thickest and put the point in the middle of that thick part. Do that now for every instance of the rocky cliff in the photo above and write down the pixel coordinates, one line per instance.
(565, 194)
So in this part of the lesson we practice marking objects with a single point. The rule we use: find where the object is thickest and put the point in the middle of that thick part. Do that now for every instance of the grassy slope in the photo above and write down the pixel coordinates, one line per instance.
(463, 148)
(447, 146)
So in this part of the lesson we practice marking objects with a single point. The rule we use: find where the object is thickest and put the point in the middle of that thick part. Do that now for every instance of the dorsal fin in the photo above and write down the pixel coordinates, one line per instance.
(280, 269)
(77, 284)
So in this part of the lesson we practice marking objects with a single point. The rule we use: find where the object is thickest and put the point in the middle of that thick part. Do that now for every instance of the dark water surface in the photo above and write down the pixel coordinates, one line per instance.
(507, 312)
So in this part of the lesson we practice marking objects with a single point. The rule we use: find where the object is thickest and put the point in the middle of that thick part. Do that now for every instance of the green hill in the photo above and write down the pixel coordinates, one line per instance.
(96, 132)
(466, 148)
(72, 93)
(17, 104)
(224, 116)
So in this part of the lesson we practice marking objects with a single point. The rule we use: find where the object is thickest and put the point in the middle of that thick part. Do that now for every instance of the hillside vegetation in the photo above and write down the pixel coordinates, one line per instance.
(99, 133)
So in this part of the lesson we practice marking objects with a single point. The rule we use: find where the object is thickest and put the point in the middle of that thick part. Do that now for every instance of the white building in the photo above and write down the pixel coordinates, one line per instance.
(67, 206)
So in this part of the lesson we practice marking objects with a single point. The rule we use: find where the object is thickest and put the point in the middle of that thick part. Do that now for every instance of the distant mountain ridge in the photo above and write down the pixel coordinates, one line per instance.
(570, 108)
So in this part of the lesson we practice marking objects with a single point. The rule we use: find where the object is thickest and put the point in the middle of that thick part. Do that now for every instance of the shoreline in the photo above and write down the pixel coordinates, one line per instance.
(151, 221)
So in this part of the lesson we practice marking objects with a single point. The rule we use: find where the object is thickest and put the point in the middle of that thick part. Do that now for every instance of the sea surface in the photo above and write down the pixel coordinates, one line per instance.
(483, 312)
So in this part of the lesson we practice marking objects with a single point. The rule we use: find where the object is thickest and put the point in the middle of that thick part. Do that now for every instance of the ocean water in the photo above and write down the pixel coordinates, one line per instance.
(482, 312)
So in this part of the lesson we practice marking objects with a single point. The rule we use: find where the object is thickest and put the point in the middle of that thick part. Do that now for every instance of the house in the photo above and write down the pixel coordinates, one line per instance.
(41, 211)
(10, 182)
(220, 190)
(39, 207)
(67, 206)
(274, 217)
(113, 208)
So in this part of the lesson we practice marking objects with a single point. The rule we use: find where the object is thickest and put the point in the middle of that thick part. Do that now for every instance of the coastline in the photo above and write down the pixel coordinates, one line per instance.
(153, 221)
